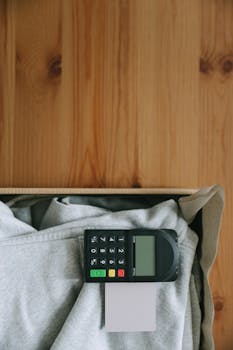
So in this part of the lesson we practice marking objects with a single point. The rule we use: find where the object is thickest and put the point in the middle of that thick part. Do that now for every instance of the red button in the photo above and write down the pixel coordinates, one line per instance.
(121, 273)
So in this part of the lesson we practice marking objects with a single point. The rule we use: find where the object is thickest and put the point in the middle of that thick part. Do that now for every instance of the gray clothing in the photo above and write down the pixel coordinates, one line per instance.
(44, 302)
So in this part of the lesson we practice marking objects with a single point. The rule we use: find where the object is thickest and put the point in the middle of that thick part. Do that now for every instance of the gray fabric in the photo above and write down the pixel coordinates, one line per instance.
(44, 303)
(211, 201)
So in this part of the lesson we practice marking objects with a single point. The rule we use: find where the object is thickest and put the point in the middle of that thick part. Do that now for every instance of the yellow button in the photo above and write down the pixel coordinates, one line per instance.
(111, 273)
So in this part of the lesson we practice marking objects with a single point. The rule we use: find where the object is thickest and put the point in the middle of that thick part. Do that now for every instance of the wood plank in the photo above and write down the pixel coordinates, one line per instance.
(7, 89)
(41, 128)
(91, 122)
(129, 60)
(91, 190)
(216, 147)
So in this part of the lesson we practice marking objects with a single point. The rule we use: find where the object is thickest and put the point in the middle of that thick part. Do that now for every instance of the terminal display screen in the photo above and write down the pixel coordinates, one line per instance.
(145, 255)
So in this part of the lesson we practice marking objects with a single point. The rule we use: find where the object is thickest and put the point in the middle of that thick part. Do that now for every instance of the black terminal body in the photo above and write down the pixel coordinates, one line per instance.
(137, 255)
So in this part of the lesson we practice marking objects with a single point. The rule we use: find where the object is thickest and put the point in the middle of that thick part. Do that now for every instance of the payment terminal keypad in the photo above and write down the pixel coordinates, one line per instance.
(106, 255)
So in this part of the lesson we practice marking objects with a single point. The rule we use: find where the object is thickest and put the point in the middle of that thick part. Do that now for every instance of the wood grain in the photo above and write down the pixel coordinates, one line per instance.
(215, 149)
(121, 93)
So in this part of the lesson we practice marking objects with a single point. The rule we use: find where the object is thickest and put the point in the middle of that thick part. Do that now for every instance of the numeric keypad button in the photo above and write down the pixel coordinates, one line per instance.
(112, 250)
(93, 262)
(93, 250)
(103, 261)
(102, 250)
(121, 261)
(112, 239)
(94, 239)
(112, 262)
(121, 250)
(102, 239)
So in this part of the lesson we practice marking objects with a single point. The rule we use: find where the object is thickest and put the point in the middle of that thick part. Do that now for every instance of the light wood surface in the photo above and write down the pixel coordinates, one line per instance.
(102, 190)
(122, 93)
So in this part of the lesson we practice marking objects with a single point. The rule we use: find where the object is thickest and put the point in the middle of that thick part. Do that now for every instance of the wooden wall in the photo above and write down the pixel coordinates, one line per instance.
(122, 93)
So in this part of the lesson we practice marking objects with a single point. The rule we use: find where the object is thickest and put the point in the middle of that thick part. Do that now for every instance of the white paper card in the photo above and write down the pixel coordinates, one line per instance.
(130, 307)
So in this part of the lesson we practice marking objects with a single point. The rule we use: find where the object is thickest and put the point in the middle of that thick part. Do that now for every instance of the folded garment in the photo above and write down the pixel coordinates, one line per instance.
(44, 302)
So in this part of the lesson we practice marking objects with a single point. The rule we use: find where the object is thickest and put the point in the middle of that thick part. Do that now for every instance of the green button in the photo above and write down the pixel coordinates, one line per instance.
(98, 273)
